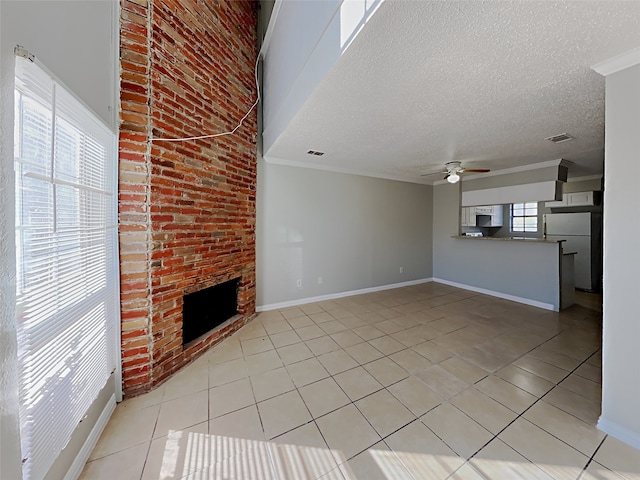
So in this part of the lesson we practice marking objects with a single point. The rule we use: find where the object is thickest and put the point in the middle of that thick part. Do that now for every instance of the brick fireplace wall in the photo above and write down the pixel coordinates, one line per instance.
(186, 209)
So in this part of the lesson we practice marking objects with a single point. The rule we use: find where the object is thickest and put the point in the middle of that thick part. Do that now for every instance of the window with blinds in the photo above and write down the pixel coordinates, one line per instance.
(67, 294)
(524, 217)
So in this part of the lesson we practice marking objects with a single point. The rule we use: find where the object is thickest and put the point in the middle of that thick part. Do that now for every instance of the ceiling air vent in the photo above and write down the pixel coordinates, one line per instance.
(563, 137)
(316, 153)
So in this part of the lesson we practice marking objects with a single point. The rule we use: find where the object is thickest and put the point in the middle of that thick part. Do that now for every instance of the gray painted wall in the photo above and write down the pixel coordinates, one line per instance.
(353, 231)
(446, 218)
(76, 41)
(621, 330)
(525, 270)
(592, 185)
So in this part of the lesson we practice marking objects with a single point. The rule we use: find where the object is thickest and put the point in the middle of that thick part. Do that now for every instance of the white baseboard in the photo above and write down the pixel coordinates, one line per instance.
(513, 298)
(83, 455)
(620, 432)
(333, 296)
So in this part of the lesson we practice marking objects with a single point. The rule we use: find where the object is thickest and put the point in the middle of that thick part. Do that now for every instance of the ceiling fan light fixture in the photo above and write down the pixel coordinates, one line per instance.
(453, 178)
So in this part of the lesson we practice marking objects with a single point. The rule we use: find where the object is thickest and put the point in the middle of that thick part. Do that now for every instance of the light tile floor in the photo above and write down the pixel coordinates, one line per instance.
(423, 382)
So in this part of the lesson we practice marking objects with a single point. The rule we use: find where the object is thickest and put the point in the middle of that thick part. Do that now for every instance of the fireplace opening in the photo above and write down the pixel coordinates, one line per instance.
(204, 310)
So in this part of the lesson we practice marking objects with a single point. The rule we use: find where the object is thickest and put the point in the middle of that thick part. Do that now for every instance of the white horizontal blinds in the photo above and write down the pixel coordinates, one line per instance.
(66, 263)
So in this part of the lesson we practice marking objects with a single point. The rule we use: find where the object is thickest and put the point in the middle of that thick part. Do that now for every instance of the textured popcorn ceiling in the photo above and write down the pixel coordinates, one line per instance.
(483, 82)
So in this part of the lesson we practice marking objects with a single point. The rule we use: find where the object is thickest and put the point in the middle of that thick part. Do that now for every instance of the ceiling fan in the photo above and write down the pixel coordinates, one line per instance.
(453, 171)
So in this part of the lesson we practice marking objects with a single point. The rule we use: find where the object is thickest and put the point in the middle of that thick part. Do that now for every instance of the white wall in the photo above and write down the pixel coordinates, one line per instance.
(621, 331)
(528, 271)
(353, 231)
(304, 40)
(76, 41)
(9, 427)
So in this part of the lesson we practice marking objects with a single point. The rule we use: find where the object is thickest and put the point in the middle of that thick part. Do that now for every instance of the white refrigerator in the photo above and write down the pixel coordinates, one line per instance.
(575, 228)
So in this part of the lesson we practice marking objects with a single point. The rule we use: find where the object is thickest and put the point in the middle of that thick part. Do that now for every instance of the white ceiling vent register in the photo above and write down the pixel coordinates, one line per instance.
(563, 137)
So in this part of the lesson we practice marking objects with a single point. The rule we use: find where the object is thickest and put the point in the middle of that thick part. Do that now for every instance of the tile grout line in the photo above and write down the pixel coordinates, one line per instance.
(308, 410)
(386, 387)
(591, 459)
(519, 415)
(529, 407)
(353, 402)
(157, 417)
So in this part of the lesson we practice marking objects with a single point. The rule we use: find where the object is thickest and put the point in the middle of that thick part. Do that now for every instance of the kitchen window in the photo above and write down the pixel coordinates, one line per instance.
(524, 217)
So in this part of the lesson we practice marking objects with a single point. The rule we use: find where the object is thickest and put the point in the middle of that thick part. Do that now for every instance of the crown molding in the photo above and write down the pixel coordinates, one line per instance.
(619, 62)
(400, 178)
(347, 171)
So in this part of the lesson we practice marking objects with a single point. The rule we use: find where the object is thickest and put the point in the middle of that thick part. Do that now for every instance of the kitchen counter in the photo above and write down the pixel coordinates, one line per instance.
(536, 271)
(510, 239)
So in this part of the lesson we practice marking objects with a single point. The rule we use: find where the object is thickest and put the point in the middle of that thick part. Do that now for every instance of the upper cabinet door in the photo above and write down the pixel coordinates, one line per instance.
(579, 198)
(496, 216)
(468, 217)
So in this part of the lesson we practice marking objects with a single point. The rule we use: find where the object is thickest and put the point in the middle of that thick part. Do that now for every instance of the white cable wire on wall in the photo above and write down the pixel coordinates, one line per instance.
(230, 132)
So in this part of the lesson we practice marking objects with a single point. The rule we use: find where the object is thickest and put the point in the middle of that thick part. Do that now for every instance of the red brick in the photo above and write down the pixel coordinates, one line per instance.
(196, 199)
(135, 362)
(135, 351)
(133, 295)
(132, 137)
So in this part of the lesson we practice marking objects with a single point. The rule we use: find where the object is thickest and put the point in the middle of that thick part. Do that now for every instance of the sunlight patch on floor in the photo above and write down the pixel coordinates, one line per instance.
(197, 456)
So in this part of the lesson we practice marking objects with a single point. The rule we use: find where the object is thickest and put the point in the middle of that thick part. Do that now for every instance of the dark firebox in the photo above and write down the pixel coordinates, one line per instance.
(204, 310)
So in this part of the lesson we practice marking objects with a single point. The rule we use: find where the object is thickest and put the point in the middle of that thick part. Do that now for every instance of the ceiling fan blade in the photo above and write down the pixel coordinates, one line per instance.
(439, 172)
(478, 170)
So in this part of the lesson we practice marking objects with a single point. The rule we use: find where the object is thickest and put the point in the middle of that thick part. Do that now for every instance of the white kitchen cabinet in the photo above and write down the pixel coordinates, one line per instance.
(577, 199)
(485, 210)
(490, 216)
(468, 217)
(496, 216)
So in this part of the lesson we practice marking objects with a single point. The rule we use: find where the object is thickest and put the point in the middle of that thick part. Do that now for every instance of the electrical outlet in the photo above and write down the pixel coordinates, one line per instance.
(319, 280)
(401, 269)
(299, 282)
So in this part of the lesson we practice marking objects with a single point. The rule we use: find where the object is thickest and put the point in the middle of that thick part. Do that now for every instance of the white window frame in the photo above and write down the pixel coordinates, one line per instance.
(525, 207)
(89, 305)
